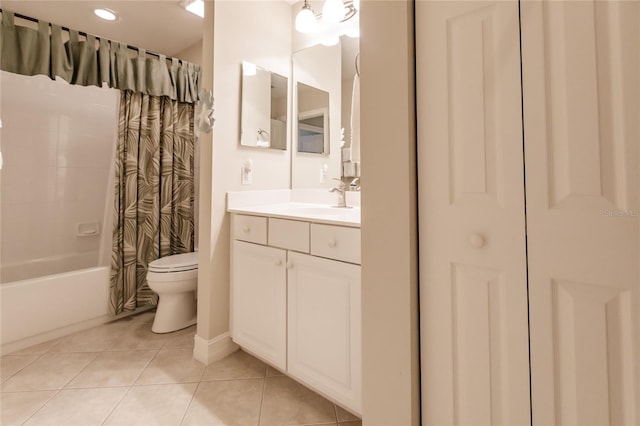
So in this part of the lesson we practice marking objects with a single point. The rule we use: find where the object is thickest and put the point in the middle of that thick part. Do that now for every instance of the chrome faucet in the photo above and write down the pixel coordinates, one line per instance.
(341, 189)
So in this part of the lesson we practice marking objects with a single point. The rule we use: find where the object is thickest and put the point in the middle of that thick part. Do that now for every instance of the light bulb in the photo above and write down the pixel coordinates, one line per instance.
(306, 20)
(333, 11)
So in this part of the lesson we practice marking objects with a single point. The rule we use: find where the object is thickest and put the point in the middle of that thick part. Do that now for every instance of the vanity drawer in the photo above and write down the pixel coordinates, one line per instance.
(289, 234)
(250, 228)
(336, 242)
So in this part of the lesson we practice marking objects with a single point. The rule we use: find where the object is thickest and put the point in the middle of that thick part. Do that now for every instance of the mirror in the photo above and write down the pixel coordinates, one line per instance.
(325, 72)
(263, 118)
(313, 120)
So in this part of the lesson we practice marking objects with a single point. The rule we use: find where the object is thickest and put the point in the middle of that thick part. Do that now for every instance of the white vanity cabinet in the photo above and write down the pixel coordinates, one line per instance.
(295, 301)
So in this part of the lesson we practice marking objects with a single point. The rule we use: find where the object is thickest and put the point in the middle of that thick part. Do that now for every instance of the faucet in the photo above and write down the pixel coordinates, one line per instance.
(341, 189)
(355, 184)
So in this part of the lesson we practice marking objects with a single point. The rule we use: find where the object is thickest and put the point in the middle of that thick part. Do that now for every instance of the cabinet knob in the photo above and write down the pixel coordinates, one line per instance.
(246, 229)
(279, 262)
(475, 240)
(332, 243)
(289, 265)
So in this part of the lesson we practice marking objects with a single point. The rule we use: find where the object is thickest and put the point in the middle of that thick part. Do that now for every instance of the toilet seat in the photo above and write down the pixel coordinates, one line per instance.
(175, 263)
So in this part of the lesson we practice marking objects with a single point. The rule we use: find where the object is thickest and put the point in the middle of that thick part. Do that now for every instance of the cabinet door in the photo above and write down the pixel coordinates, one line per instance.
(473, 288)
(259, 301)
(324, 326)
(581, 82)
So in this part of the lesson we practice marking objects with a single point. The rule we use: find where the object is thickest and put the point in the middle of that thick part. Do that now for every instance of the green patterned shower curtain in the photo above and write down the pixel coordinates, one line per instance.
(154, 193)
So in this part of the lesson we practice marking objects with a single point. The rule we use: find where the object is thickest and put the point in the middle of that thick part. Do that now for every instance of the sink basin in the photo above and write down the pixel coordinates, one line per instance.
(322, 210)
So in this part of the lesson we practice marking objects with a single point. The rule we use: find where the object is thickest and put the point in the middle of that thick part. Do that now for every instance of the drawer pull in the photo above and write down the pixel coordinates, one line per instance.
(246, 229)
(332, 243)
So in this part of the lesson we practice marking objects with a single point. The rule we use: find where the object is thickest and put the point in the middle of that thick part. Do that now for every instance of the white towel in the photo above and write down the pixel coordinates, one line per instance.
(355, 119)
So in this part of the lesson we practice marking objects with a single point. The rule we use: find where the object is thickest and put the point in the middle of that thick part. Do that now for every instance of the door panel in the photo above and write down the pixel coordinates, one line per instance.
(473, 294)
(581, 87)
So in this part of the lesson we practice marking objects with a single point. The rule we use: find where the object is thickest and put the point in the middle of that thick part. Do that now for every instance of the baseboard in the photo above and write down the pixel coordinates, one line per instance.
(17, 345)
(208, 351)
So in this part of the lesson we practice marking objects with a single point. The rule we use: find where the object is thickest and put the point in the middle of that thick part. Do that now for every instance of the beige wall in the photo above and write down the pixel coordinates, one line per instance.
(191, 54)
(389, 229)
(258, 32)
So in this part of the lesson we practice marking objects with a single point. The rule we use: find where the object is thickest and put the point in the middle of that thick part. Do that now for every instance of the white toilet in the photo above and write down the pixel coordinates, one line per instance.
(175, 279)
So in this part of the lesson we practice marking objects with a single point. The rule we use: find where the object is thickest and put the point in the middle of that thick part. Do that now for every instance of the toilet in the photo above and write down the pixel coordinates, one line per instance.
(175, 279)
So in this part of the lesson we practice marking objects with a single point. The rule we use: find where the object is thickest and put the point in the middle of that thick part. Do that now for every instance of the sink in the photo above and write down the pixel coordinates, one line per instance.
(322, 210)
(316, 210)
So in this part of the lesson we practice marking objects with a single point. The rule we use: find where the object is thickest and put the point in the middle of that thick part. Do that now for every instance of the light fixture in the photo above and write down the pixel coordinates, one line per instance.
(194, 6)
(106, 14)
(306, 20)
(333, 11)
(353, 32)
(330, 40)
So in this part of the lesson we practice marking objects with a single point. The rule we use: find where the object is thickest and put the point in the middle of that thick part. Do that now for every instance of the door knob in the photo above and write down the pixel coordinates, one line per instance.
(289, 265)
(279, 262)
(475, 240)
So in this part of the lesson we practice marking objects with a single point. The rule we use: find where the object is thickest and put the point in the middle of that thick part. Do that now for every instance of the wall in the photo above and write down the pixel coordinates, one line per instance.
(389, 270)
(258, 32)
(58, 144)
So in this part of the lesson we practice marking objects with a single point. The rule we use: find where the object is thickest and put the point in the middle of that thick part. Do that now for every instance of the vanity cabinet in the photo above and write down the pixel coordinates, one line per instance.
(295, 301)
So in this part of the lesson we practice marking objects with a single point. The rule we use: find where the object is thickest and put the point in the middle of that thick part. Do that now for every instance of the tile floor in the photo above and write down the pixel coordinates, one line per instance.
(123, 374)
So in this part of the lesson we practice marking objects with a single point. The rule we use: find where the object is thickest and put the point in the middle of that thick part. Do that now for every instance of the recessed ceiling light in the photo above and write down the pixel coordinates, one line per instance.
(194, 6)
(106, 14)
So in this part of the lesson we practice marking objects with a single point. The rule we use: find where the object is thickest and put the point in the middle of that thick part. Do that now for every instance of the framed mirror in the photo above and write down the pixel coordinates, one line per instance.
(313, 120)
(263, 117)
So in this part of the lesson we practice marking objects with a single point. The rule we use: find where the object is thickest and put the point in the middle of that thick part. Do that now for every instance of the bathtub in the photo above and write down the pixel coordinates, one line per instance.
(35, 310)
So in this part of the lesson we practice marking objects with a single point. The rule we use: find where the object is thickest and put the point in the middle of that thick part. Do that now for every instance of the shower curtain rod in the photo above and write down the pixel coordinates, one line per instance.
(82, 33)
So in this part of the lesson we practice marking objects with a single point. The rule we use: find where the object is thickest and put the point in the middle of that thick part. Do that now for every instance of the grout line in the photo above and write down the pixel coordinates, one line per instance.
(190, 402)
(43, 405)
(264, 386)
(97, 355)
(115, 406)
(145, 367)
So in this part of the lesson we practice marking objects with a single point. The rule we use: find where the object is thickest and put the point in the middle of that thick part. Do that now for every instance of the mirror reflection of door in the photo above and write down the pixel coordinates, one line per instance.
(264, 108)
(313, 119)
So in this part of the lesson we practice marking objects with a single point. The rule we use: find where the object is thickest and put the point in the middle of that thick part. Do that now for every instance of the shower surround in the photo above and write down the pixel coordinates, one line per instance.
(56, 205)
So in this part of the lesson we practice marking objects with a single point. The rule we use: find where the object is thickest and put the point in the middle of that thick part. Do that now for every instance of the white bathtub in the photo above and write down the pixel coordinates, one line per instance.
(35, 310)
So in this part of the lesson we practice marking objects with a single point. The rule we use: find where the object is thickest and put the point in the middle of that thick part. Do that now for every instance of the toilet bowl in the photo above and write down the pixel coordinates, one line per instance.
(175, 279)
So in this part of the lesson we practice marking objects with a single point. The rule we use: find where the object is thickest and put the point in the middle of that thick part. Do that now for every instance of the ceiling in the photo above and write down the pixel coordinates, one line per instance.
(161, 26)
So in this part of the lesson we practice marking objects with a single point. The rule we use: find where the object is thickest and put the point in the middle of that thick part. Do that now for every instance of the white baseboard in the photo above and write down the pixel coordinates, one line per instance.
(208, 351)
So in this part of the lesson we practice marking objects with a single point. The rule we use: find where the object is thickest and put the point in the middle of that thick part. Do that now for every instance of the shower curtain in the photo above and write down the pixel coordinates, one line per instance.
(153, 193)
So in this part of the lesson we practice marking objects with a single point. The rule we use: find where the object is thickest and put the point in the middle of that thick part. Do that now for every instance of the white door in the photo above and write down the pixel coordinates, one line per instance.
(473, 289)
(324, 326)
(581, 84)
(259, 301)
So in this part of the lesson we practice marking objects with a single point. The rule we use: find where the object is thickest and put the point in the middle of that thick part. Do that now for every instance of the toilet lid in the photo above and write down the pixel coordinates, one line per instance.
(175, 263)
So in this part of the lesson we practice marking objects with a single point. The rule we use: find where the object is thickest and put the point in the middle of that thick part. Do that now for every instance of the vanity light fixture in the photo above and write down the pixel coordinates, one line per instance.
(333, 12)
(106, 14)
(194, 6)
(306, 20)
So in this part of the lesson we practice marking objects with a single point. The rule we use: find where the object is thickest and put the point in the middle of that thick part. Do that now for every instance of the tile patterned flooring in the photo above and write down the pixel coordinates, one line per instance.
(123, 374)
